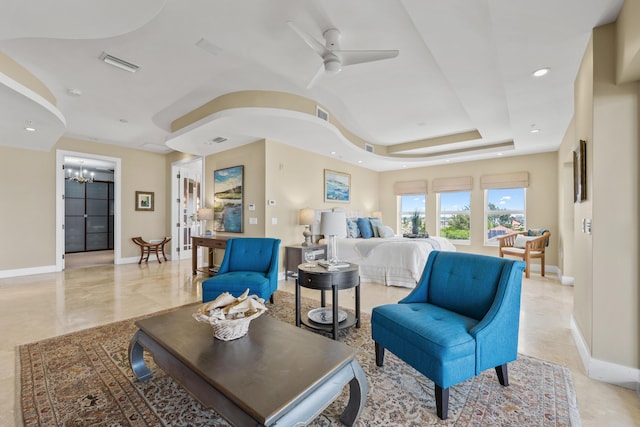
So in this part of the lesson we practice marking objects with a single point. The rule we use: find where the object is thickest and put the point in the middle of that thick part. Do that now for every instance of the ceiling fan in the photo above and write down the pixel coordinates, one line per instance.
(333, 58)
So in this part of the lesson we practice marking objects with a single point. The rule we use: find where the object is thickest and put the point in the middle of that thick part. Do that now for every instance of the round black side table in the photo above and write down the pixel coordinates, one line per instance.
(322, 279)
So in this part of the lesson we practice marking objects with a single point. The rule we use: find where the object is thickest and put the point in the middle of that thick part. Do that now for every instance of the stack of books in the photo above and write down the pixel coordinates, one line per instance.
(329, 266)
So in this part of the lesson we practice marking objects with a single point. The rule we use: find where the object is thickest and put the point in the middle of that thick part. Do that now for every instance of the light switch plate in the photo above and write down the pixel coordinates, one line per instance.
(253, 221)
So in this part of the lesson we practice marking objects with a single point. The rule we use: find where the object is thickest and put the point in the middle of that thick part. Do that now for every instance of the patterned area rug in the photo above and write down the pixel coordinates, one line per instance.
(84, 379)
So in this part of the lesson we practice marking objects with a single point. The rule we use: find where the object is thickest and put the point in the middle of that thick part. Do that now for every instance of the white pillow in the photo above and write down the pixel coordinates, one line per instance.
(386, 231)
(521, 241)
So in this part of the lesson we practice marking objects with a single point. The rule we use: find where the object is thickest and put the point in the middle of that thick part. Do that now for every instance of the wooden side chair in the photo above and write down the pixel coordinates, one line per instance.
(526, 247)
(147, 247)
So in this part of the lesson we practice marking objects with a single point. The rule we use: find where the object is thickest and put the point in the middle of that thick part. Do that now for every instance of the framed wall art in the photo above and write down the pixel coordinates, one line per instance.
(580, 172)
(337, 186)
(144, 200)
(228, 185)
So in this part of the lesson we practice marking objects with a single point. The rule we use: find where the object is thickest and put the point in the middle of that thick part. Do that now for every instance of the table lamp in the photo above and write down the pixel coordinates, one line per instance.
(204, 215)
(307, 217)
(333, 224)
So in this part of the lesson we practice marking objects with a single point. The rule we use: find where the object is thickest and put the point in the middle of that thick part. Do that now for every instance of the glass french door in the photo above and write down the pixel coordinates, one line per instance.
(188, 201)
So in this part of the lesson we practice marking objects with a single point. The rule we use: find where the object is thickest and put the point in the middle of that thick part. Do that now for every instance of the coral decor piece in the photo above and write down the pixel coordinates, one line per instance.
(230, 316)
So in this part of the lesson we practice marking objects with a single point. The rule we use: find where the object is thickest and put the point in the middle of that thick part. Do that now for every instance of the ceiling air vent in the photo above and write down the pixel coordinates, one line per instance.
(321, 114)
(120, 63)
(219, 139)
(368, 148)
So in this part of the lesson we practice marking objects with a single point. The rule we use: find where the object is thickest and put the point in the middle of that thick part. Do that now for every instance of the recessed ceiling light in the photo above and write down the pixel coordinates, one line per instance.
(541, 72)
(333, 153)
(359, 161)
(534, 130)
(499, 154)
(30, 128)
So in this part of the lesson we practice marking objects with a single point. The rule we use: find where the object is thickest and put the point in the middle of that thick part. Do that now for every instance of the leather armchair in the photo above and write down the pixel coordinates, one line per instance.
(462, 318)
(249, 262)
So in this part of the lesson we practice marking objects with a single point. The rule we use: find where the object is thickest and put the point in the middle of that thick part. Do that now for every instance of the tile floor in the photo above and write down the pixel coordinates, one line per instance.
(47, 305)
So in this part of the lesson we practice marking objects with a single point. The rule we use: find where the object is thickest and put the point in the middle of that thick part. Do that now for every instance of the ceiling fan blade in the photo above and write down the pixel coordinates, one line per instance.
(316, 76)
(351, 57)
(309, 39)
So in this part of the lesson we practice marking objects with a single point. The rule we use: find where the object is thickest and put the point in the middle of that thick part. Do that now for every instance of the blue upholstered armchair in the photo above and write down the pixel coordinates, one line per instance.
(249, 262)
(461, 319)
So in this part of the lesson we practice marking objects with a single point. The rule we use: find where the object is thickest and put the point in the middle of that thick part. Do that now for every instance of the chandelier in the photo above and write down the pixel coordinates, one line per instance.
(79, 176)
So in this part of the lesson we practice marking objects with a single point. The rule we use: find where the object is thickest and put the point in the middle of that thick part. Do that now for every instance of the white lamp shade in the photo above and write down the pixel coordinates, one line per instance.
(205, 214)
(307, 216)
(333, 223)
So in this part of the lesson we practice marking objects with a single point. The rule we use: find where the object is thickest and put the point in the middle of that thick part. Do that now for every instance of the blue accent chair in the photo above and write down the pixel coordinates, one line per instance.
(461, 319)
(249, 262)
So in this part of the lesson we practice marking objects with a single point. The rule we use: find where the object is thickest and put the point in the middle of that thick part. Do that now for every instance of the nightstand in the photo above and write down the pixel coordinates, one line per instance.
(294, 256)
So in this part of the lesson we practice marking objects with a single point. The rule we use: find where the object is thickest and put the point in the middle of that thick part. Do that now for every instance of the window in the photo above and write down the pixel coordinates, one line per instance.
(504, 212)
(412, 205)
(455, 215)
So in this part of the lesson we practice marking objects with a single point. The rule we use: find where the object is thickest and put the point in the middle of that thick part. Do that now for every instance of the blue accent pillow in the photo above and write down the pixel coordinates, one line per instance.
(376, 224)
(353, 231)
(365, 228)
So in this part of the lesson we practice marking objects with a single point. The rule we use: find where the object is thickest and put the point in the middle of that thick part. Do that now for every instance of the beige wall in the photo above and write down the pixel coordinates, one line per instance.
(541, 203)
(28, 193)
(28, 214)
(252, 157)
(583, 244)
(615, 215)
(605, 263)
(295, 179)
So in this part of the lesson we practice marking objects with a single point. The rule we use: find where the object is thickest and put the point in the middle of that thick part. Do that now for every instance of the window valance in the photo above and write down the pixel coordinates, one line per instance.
(410, 187)
(460, 183)
(505, 180)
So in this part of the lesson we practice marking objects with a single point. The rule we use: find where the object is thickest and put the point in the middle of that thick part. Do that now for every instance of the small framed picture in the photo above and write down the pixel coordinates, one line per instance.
(337, 186)
(144, 200)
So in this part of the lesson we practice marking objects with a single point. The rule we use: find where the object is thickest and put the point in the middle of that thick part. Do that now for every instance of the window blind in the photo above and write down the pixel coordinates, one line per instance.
(461, 183)
(505, 180)
(410, 187)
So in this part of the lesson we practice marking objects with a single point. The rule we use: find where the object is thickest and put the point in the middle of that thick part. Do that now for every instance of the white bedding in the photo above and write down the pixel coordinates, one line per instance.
(394, 261)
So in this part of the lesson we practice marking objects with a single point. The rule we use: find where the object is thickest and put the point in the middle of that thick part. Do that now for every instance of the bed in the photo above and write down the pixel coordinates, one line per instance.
(383, 256)
(392, 261)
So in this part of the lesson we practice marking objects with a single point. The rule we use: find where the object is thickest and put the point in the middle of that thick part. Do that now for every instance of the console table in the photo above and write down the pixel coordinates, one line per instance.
(322, 279)
(209, 242)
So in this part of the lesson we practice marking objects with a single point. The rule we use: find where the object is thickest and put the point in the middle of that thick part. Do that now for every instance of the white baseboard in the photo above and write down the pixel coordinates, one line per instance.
(602, 370)
(27, 271)
(567, 280)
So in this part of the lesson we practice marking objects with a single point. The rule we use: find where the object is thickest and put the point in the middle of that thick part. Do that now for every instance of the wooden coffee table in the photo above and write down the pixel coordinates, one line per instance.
(276, 374)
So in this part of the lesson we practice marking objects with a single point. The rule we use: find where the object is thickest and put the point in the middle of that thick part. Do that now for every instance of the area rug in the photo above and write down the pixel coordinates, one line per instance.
(84, 379)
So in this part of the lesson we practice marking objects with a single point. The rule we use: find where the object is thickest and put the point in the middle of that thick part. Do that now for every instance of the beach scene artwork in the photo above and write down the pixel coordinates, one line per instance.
(337, 186)
(227, 202)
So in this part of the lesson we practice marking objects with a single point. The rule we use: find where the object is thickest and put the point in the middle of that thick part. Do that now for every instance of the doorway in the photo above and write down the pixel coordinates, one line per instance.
(87, 209)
